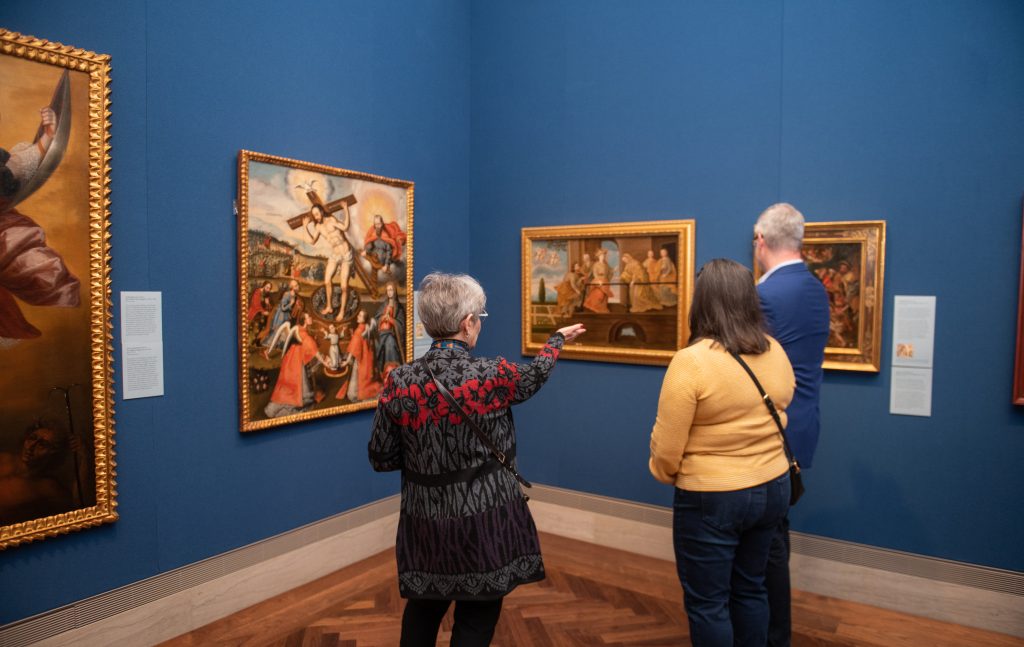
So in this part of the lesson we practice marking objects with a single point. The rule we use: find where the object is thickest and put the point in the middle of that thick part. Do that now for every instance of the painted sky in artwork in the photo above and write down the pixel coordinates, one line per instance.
(549, 260)
(277, 193)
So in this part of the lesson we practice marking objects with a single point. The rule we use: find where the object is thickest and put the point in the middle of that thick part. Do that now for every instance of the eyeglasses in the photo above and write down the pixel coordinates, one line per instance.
(482, 315)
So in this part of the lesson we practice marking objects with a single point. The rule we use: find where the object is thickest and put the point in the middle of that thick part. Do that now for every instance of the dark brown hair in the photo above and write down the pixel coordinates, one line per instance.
(726, 309)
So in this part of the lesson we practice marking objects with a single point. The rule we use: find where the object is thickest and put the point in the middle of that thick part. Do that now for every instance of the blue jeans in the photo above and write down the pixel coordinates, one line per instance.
(721, 542)
(776, 580)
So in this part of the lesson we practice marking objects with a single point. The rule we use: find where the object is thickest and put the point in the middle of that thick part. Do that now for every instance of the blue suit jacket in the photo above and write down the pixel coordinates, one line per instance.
(796, 313)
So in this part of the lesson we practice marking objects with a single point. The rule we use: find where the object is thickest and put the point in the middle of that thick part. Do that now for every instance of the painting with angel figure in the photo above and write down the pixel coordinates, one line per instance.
(56, 387)
(325, 260)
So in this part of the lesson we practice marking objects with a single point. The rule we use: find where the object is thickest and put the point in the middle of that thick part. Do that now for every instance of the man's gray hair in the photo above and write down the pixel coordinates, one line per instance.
(446, 299)
(782, 227)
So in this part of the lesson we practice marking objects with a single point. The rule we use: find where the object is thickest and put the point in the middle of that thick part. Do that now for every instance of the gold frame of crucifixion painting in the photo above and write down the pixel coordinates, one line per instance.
(629, 283)
(325, 293)
(848, 257)
(57, 433)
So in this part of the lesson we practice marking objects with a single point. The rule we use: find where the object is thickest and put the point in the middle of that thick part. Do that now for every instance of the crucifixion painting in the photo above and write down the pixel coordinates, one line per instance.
(326, 269)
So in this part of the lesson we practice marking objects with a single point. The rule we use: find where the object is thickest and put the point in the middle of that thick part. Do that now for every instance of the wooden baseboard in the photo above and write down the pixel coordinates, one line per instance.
(153, 610)
(970, 595)
(167, 605)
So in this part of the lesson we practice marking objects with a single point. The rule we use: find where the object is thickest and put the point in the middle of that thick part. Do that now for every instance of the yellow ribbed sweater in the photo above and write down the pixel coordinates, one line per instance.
(713, 432)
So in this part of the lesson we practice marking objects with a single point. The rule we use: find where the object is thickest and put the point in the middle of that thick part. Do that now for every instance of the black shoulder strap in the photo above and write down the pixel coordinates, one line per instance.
(767, 399)
(497, 453)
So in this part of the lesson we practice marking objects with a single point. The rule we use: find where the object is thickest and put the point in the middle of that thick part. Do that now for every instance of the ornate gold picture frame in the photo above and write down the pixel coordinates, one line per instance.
(325, 288)
(630, 283)
(57, 431)
(849, 259)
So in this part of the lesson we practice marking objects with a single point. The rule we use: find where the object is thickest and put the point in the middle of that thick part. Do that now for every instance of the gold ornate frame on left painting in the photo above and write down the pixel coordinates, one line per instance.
(57, 433)
(325, 288)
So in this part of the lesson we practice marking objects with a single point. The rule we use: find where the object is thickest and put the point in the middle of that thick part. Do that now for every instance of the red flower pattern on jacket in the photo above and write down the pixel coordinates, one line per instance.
(419, 404)
(548, 351)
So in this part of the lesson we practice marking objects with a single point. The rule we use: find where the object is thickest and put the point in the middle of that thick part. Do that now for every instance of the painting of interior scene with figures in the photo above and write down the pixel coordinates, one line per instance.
(328, 271)
(625, 289)
(838, 267)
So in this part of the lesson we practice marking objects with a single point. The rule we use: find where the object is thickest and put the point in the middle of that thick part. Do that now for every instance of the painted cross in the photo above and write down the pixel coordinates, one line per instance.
(329, 209)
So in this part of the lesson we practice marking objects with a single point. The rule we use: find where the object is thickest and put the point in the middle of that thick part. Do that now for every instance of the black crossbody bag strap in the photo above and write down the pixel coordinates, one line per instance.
(497, 453)
(767, 399)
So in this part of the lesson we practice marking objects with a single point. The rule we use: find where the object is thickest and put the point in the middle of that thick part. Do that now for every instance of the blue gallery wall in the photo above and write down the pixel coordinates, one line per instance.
(591, 111)
(582, 112)
(381, 87)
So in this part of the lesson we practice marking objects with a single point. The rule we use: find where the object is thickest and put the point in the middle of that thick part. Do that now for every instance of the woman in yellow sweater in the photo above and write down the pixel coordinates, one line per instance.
(715, 440)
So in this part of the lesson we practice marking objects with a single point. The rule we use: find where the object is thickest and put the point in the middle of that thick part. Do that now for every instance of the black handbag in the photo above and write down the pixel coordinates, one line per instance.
(796, 481)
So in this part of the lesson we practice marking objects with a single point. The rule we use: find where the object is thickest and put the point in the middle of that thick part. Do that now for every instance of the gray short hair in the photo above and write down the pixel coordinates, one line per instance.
(782, 227)
(446, 299)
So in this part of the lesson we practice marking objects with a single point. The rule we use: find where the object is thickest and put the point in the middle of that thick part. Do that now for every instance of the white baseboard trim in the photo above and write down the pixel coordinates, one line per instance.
(167, 605)
(966, 594)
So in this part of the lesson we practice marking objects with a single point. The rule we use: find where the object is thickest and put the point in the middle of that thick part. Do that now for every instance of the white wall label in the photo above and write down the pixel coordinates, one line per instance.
(913, 347)
(142, 345)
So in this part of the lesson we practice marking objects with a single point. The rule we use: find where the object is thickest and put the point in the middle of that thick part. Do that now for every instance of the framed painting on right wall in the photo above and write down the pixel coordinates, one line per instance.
(849, 259)
(1018, 362)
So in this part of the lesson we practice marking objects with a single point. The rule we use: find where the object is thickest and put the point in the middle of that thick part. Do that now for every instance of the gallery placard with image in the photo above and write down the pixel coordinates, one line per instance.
(630, 284)
(326, 270)
(56, 431)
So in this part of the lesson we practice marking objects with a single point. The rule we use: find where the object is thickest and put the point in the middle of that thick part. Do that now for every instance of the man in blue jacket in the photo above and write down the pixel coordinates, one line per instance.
(796, 313)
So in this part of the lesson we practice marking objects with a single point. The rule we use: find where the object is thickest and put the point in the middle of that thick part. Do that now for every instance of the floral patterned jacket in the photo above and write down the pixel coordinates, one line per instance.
(464, 529)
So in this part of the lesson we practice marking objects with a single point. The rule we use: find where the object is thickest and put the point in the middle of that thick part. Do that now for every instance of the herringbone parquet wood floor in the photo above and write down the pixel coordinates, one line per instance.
(593, 596)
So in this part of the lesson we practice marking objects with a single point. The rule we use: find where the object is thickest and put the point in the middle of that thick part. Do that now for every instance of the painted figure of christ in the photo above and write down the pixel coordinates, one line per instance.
(341, 256)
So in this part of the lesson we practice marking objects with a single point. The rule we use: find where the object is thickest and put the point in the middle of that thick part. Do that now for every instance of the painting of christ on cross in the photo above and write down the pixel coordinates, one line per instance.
(325, 277)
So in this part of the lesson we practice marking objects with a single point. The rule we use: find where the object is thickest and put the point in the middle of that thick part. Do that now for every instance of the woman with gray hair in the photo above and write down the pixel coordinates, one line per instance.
(464, 532)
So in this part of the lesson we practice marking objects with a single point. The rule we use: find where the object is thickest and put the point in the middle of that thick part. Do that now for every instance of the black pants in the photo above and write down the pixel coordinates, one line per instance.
(776, 580)
(474, 622)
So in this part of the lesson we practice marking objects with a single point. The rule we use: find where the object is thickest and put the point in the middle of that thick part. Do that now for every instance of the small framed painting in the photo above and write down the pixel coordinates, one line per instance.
(849, 260)
(629, 283)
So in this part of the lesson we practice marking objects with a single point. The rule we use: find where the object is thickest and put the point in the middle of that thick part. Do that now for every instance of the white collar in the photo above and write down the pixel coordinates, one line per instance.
(764, 277)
